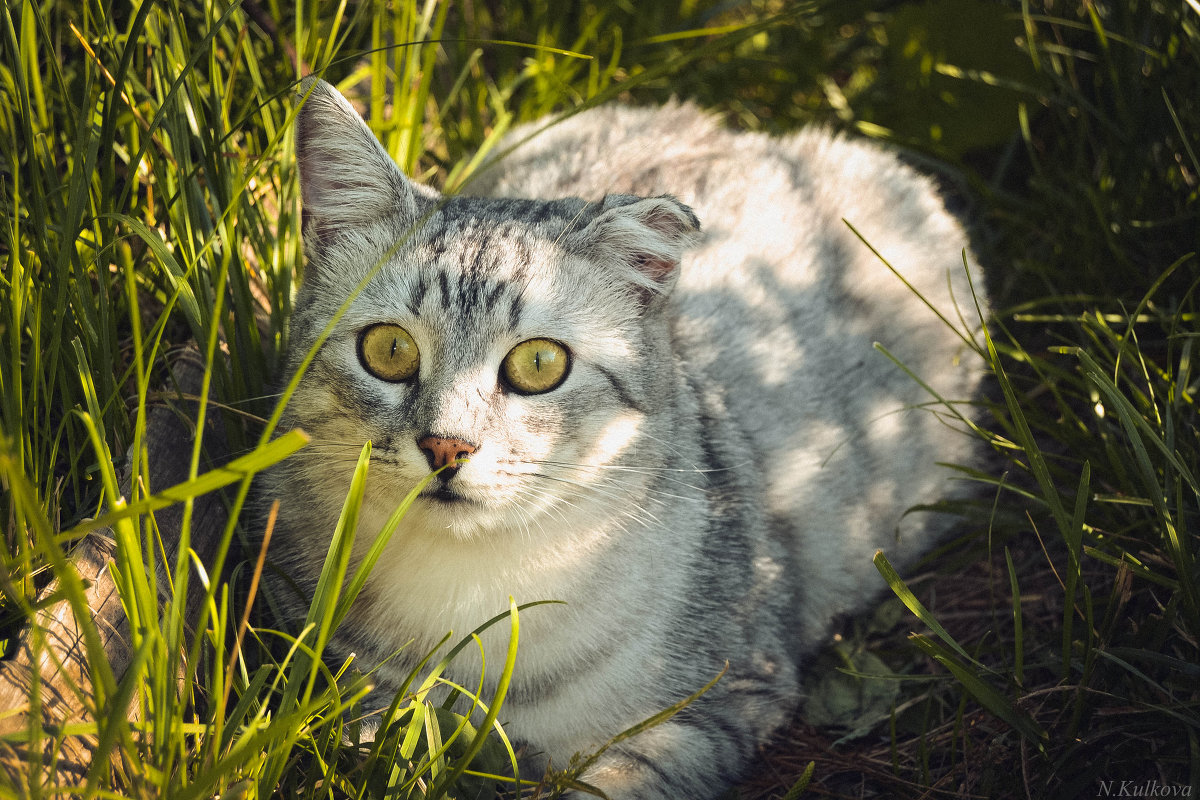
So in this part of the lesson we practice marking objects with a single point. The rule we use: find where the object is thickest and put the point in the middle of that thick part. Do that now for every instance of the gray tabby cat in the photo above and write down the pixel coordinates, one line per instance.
(684, 433)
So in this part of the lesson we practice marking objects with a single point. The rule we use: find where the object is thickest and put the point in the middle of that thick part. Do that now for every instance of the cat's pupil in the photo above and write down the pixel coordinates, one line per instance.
(393, 353)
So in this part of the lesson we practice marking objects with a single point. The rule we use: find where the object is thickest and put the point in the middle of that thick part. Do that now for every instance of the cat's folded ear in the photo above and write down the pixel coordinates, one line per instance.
(644, 238)
(346, 177)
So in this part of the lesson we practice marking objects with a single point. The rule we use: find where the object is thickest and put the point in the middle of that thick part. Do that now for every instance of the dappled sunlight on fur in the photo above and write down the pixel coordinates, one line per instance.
(710, 458)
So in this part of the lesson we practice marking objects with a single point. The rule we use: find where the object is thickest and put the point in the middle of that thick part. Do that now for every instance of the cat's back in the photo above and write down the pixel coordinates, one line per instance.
(778, 313)
(797, 210)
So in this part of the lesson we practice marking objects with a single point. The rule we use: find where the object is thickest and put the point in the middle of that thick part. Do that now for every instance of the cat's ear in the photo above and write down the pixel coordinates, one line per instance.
(346, 177)
(644, 236)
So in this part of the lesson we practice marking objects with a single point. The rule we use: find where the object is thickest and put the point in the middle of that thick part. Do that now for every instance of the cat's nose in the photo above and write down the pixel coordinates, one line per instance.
(440, 451)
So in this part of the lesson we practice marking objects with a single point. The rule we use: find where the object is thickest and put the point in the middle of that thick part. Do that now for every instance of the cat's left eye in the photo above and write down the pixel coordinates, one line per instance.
(536, 366)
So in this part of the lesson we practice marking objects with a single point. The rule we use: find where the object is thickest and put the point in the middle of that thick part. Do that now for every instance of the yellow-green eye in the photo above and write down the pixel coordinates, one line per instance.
(536, 366)
(388, 352)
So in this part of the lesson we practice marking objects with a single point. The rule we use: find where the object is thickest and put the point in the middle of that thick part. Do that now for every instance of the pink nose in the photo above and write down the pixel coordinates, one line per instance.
(440, 451)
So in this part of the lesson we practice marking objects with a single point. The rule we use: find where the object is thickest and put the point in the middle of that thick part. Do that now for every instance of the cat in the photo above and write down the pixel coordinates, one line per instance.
(657, 400)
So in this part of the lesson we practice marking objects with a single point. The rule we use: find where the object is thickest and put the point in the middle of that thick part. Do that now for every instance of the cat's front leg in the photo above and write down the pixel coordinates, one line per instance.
(695, 755)
(677, 760)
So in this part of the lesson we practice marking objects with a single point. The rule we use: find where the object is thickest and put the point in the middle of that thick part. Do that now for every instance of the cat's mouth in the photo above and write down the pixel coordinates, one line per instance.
(444, 495)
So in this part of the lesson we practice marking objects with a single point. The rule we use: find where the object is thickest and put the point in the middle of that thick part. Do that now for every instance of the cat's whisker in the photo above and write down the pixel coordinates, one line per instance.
(608, 487)
(644, 470)
(616, 481)
(537, 493)
(669, 446)
(649, 472)
(523, 519)
(604, 492)
(552, 513)
(528, 518)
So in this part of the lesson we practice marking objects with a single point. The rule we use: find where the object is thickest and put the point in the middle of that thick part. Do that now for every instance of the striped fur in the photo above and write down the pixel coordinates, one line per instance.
(710, 481)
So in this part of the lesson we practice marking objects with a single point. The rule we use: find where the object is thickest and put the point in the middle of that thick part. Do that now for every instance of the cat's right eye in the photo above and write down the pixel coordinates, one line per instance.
(536, 366)
(388, 352)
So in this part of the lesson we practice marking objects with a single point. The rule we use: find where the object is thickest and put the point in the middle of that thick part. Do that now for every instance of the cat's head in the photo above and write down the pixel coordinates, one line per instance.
(527, 336)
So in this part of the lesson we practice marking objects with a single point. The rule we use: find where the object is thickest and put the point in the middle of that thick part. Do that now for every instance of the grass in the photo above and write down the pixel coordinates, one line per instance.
(150, 201)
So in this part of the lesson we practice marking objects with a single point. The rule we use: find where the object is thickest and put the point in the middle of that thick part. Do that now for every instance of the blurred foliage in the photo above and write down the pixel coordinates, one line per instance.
(1073, 122)
(1068, 120)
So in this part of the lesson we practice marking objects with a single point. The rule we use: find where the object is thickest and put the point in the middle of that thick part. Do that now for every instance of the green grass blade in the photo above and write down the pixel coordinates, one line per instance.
(493, 710)
(984, 693)
(901, 590)
(218, 478)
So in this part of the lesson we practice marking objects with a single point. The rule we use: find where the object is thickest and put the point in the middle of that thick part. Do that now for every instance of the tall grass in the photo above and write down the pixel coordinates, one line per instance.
(1086, 644)
(149, 200)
